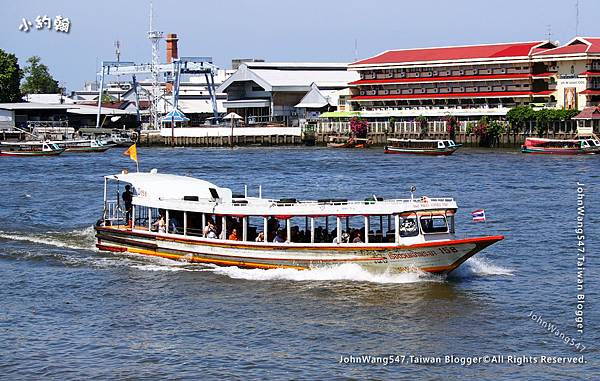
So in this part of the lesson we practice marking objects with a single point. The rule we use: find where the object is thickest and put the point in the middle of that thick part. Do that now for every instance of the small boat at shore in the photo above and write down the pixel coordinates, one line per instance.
(421, 146)
(576, 146)
(30, 148)
(193, 220)
(121, 139)
(83, 145)
(348, 142)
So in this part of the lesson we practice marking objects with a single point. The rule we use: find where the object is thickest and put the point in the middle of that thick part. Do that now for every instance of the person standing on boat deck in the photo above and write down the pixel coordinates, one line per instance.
(128, 200)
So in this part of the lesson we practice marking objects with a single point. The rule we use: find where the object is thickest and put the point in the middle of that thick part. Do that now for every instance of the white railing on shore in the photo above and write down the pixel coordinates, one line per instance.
(405, 127)
(200, 132)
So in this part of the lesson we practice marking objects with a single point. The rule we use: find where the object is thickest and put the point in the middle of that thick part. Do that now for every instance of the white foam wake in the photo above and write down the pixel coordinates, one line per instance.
(345, 272)
(78, 239)
(480, 266)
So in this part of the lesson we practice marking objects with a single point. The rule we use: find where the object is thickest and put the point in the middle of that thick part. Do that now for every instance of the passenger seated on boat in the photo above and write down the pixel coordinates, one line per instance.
(357, 238)
(172, 225)
(212, 233)
(260, 237)
(279, 237)
(233, 236)
(210, 226)
(160, 225)
(345, 238)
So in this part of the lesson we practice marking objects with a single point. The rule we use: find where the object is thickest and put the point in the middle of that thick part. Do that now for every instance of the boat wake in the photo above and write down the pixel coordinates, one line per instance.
(78, 239)
(345, 272)
(478, 267)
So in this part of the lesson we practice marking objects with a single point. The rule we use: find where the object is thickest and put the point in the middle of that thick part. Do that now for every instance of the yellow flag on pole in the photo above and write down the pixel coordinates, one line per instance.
(132, 153)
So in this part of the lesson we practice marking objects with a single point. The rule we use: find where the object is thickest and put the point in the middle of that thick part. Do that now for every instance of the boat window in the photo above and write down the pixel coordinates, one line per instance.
(450, 143)
(584, 144)
(441, 144)
(450, 219)
(214, 194)
(409, 226)
(596, 143)
(434, 224)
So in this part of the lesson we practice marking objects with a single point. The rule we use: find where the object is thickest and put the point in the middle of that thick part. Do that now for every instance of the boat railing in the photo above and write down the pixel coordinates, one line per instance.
(419, 202)
(114, 213)
(399, 201)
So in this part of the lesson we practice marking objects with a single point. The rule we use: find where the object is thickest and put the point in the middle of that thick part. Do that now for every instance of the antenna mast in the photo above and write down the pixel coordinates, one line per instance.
(576, 18)
(154, 37)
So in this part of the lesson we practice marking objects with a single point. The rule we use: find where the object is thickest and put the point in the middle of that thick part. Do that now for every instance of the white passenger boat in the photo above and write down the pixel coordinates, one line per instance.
(421, 146)
(30, 148)
(184, 218)
(83, 145)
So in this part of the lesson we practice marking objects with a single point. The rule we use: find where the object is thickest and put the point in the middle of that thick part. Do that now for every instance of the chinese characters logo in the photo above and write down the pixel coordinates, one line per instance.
(61, 24)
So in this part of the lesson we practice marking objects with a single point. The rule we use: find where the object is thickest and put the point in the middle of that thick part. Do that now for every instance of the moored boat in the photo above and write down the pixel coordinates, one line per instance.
(83, 145)
(348, 142)
(193, 220)
(421, 146)
(576, 146)
(30, 148)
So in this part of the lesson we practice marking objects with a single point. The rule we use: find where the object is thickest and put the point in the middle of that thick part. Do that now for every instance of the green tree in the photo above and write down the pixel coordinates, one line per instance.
(518, 116)
(38, 79)
(10, 78)
(423, 126)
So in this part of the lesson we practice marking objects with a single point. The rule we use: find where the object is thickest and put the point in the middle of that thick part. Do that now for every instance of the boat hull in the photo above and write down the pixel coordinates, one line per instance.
(434, 257)
(31, 153)
(431, 152)
(87, 149)
(558, 151)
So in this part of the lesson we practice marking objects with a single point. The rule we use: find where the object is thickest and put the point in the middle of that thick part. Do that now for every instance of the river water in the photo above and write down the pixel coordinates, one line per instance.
(68, 311)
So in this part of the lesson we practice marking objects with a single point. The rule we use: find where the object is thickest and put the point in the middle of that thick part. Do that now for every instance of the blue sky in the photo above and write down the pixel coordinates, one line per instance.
(306, 30)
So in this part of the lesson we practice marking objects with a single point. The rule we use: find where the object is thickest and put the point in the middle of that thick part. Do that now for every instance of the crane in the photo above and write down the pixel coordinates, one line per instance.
(179, 66)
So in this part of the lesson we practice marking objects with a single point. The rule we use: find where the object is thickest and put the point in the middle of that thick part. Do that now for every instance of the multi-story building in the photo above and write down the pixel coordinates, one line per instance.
(471, 81)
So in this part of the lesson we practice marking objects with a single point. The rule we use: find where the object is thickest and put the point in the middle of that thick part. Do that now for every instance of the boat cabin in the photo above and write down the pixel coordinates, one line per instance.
(421, 143)
(33, 146)
(178, 205)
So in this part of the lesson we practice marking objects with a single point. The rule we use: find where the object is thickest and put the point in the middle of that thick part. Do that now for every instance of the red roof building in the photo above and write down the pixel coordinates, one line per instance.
(486, 79)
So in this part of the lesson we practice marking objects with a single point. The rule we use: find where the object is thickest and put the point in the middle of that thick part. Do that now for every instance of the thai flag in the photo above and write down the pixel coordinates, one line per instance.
(478, 215)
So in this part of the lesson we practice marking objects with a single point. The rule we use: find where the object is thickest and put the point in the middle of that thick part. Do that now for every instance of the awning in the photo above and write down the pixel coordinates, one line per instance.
(247, 103)
(175, 116)
(339, 114)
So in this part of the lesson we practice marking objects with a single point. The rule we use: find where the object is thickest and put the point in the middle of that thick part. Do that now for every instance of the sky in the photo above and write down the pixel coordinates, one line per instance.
(277, 30)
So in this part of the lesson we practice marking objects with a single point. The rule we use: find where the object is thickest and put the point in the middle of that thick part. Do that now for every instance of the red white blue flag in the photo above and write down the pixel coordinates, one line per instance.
(478, 215)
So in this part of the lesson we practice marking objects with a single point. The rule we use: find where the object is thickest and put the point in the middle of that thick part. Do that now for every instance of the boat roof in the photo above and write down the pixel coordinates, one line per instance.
(544, 140)
(26, 143)
(417, 140)
(160, 186)
(184, 193)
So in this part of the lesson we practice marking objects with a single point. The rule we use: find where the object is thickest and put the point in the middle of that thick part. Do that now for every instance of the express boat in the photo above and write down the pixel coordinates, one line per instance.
(30, 148)
(576, 146)
(83, 145)
(185, 218)
(421, 146)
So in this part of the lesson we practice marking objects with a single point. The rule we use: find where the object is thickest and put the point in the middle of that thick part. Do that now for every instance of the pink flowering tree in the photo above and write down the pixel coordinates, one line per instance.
(359, 127)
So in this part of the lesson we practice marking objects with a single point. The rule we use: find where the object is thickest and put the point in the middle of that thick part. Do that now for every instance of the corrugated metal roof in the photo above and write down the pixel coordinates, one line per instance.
(33, 106)
(453, 53)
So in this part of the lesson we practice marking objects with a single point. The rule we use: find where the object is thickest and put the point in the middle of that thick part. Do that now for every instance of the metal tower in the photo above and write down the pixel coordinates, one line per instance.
(154, 37)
